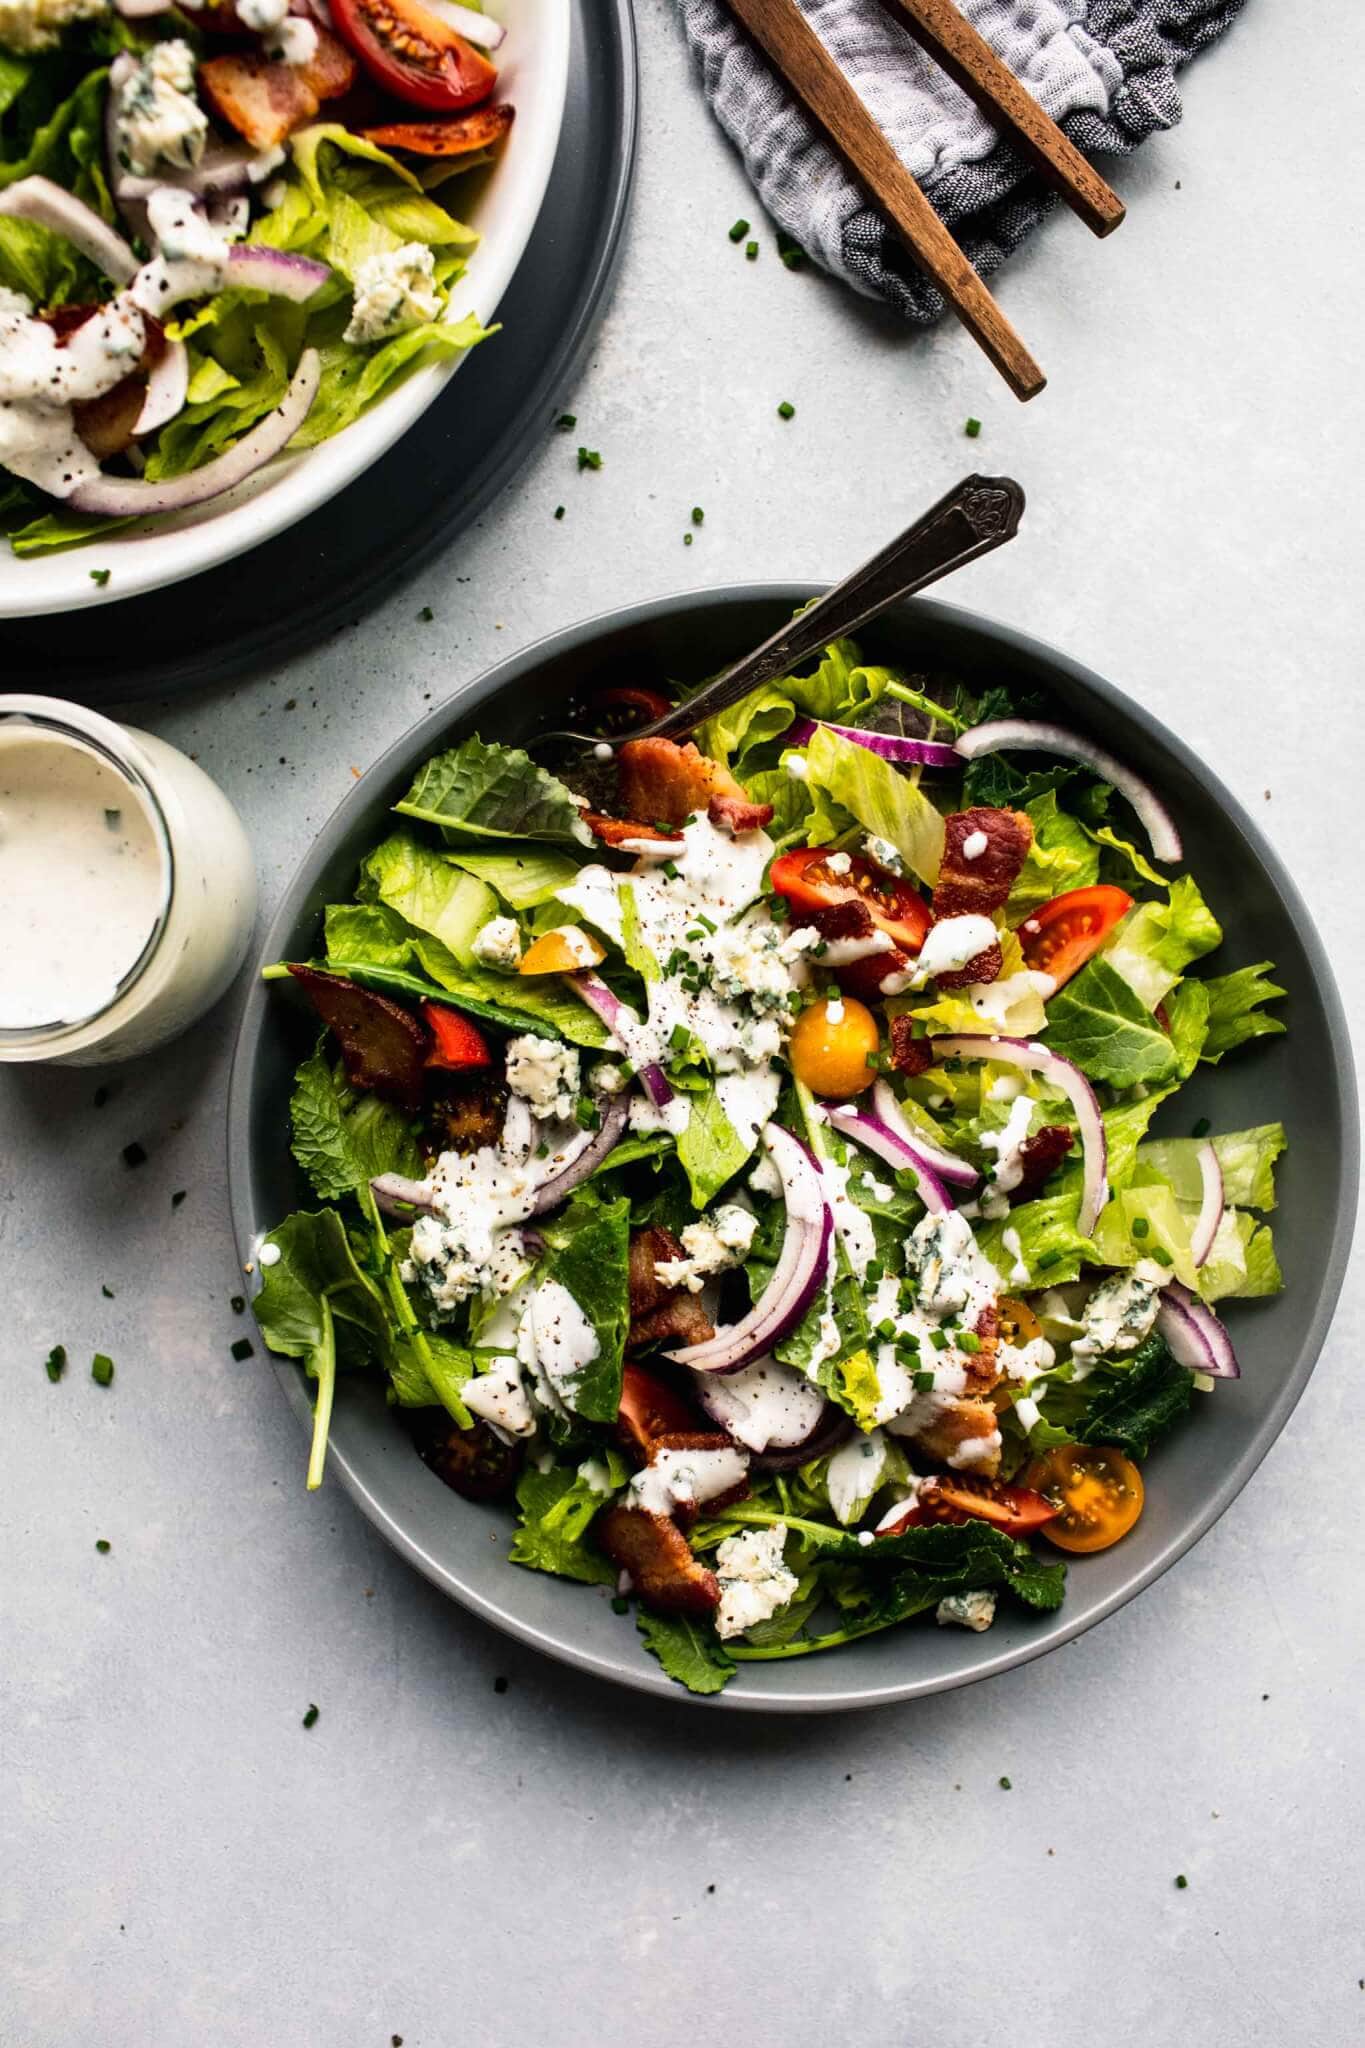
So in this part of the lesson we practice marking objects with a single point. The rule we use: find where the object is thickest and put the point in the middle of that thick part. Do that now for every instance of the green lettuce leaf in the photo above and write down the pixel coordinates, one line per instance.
(1140, 1403)
(342, 1136)
(1235, 1012)
(710, 1148)
(761, 716)
(1145, 1221)
(1127, 861)
(1247, 1159)
(1061, 857)
(484, 791)
(1100, 1022)
(432, 1374)
(687, 1649)
(587, 1252)
(1156, 942)
(1050, 1246)
(429, 891)
(880, 796)
(525, 879)
(1242, 1261)
(557, 1509)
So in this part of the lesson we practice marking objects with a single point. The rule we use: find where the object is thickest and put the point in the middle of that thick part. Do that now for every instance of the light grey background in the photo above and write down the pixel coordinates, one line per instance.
(180, 1861)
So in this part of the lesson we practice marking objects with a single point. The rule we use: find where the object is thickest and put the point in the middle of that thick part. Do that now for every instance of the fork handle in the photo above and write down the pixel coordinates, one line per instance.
(980, 513)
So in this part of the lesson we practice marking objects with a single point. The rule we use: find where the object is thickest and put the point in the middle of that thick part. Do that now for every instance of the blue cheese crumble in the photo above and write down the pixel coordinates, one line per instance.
(157, 117)
(394, 291)
(754, 1582)
(27, 26)
(544, 1074)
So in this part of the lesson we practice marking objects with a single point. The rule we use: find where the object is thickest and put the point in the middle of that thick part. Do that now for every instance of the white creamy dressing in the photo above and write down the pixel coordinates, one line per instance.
(499, 1396)
(82, 879)
(765, 1406)
(854, 1473)
(192, 255)
(561, 1341)
(684, 1478)
(1023, 1364)
(950, 944)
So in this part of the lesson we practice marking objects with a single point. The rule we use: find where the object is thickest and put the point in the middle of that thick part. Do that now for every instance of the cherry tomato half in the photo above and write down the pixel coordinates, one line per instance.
(624, 708)
(945, 1497)
(473, 1462)
(830, 1046)
(456, 1043)
(460, 137)
(805, 877)
(1096, 1489)
(1060, 936)
(410, 52)
(649, 1409)
(1018, 1325)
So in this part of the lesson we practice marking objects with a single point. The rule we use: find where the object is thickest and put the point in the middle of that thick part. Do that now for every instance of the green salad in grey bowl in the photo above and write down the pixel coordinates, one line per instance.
(841, 1203)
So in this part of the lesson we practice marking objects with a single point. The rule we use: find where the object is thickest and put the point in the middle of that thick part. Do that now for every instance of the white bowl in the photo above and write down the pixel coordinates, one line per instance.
(533, 66)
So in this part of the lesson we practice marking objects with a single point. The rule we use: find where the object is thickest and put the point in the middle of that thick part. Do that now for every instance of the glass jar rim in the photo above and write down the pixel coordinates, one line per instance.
(100, 736)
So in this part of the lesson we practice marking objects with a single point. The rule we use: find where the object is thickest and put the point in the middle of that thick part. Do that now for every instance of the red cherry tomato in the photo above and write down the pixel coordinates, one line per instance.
(1017, 1510)
(649, 1409)
(460, 137)
(625, 707)
(806, 879)
(1061, 935)
(410, 52)
(458, 1044)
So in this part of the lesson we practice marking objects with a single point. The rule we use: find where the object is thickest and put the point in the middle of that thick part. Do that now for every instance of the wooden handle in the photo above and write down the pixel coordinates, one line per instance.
(941, 29)
(782, 31)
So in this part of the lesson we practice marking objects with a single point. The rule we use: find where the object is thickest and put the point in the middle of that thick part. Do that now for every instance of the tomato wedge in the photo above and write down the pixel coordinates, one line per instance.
(804, 876)
(625, 707)
(458, 1044)
(409, 52)
(460, 137)
(1017, 1510)
(1098, 1494)
(1061, 935)
(649, 1409)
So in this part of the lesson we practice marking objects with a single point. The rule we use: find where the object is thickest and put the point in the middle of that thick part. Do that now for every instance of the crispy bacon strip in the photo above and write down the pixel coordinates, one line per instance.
(613, 831)
(668, 784)
(383, 1046)
(980, 885)
(264, 100)
(909, 1055)
(983, 1368)
(1040, 1156)
(960, 1422)
(659, 1559)
(983, 966)
(660, 1314)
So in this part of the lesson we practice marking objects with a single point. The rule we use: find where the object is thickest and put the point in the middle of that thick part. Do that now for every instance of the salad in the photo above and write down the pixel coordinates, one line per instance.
(224, 229)
(761, 1162)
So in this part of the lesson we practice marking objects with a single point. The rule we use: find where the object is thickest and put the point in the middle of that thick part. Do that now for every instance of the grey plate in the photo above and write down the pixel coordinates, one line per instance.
(447, 468)
(1304, 1077)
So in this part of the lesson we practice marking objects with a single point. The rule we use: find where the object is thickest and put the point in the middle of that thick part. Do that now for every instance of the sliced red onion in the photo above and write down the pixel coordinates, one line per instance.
(766, 1407)
(1211, 1204)
(223, 170)
(254, 267)
(622, 1023)
(134, 497)
(892, 746)
(1036, 1059)
(959, 1173)
(834, 1427)
(878, 1137)
(167, 382)
(799, 1272)
(46, 204)
(468, 22)
(1005, 735)
(614, 1111)
(396, 1194)
(1194, 1335)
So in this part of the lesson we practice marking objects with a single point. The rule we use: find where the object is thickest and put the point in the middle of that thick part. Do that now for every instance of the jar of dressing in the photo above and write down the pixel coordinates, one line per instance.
(127, 887)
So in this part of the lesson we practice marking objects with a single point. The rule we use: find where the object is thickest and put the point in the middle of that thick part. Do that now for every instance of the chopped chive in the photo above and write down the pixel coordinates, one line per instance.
(587, 1115)
(886, 1328)
(1182, 1883)
(786, 411)
(310, 1717)
(670, 868)
(56, 1362)
(972, 429)
(924, 1381)
(100, 577)
(939, 1339)
(874, 1272)
(559, 511)
(238, 1304)
(178, 1197)
(969, 1342)
(134, 1154)
(426, 615)
(680, 1038)
(107, 1292)
(589, 458)
(566, 421)
(687, 540)
(1005, 1785)
(1139, 1226)
(697, 515)
(1049, 1259)
(751, 251)
(1202, 1128)
(739, 231)
(1161, 1255)
(113, 820)
(102, 1369)
(619, 1604)
(103, 1545)
(243, 1348)
(791, 253)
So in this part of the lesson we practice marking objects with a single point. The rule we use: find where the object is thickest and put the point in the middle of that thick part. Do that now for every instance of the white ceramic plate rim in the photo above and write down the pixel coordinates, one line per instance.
(534, 66)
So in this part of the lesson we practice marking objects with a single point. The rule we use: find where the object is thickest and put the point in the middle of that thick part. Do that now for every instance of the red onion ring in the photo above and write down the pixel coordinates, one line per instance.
(396, 1194)
(621, 1021)
(1195, 1337)
(834, 1427)
(46, 204)
(723, 1398)
(799, 1272)
(614, 1111)
(133, 497)
(1003, 735)
(892, 746)
(254, 267)
(898, 1152)
(1210, 1207)
(468, 22)
(167, 382)
(1036, 1059)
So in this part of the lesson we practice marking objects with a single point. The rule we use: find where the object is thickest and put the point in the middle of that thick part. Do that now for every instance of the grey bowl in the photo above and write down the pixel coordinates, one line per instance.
(1304, 1077)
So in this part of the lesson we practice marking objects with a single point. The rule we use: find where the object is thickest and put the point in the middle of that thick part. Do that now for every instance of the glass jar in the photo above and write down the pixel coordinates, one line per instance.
(127, 887)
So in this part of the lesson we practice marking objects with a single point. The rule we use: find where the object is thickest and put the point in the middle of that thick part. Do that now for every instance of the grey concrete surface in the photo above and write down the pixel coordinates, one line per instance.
(468, 1864)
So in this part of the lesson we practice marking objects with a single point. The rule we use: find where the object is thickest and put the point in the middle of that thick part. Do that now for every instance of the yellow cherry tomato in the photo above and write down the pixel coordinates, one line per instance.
(1018, 1324)
(1097, 1489)
(830, 1046)
(565, 951)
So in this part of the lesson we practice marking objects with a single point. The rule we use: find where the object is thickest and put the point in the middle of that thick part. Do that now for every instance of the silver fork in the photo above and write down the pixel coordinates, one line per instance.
(977, 515)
